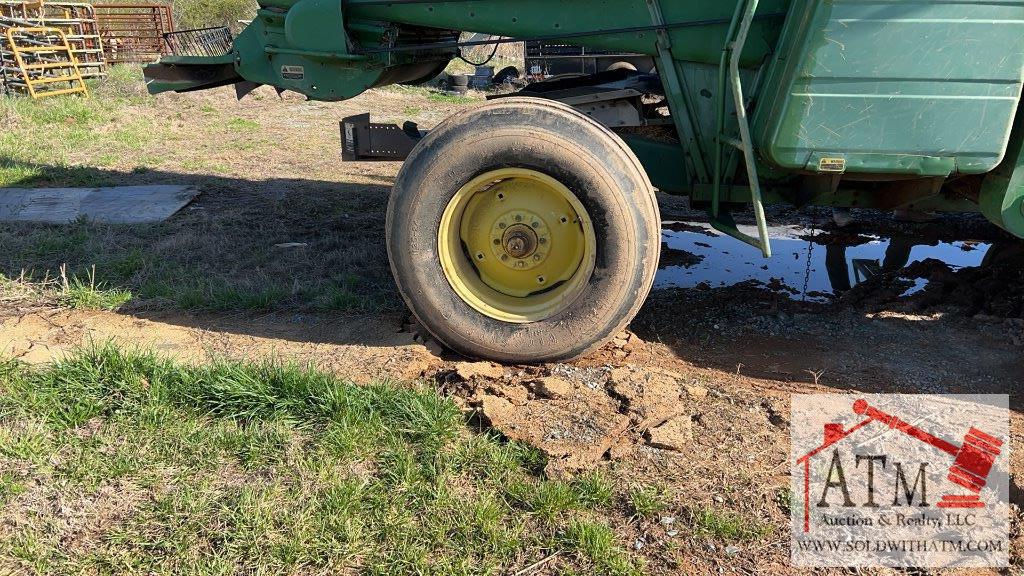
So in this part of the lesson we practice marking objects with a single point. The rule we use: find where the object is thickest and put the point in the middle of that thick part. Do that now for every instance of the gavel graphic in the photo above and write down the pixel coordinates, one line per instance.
(973, 460)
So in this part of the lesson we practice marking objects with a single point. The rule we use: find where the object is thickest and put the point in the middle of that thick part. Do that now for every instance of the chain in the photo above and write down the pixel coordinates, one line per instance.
(807, 272)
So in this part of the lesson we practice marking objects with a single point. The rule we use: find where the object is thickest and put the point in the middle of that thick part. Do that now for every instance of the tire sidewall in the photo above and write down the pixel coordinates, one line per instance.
(560, 143)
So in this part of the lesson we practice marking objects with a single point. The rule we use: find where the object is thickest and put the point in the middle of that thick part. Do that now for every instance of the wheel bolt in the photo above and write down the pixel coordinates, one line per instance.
(519, 218)
(504, 257)
(543, 240)
(536, 257)
(502, 225)
(535, 224)
(540, 280)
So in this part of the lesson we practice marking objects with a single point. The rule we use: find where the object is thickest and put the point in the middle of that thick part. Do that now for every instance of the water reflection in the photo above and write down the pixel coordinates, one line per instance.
(808, 264)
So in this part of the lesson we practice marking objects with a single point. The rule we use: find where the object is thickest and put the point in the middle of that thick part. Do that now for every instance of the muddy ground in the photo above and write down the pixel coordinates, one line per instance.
(694, 397)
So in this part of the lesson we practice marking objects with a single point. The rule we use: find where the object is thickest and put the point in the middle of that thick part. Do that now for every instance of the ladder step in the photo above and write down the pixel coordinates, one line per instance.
(53, 79)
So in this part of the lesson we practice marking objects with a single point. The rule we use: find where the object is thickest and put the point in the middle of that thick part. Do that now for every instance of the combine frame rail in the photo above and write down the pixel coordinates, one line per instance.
(45, 59)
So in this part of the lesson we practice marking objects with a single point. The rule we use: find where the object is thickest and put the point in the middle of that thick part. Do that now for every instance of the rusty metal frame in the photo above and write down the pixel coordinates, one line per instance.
(134, 32)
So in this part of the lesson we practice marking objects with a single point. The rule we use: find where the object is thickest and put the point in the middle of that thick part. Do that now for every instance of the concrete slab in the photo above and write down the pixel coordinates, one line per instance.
(115, 205)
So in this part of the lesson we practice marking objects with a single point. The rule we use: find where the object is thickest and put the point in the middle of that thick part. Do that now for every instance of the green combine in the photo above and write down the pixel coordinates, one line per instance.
(527, 229)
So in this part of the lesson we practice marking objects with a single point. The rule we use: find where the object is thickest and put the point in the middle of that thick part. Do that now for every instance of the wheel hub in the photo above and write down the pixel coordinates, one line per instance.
(526, 246)
(520, 241)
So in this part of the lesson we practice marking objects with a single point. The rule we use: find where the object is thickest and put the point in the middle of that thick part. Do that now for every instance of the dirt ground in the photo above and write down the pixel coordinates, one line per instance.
(694, 397)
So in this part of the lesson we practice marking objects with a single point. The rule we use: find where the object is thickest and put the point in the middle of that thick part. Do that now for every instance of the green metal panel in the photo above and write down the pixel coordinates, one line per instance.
(697, 28)
(894, 86)
(1002, 191)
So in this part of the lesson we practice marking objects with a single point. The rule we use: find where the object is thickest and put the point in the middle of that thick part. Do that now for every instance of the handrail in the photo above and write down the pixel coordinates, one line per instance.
(732, 53)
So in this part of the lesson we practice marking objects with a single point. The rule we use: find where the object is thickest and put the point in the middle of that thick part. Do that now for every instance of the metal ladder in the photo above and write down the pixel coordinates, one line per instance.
(729, 79)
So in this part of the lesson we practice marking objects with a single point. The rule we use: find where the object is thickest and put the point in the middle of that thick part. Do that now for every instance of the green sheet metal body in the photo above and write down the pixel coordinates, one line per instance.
(858, 89)
(904, 87)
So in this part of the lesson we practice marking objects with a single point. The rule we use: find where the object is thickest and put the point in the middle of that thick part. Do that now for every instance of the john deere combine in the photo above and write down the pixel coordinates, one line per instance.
(526, 229)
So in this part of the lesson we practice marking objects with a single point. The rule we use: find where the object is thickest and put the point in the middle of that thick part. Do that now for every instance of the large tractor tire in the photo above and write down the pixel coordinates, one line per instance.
(523, 231)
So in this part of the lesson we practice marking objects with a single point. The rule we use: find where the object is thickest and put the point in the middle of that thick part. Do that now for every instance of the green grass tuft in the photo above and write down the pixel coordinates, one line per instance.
(596, 542)
(267, 468)
(647, 501)
(243, 125)
(727, 525)
(90, 295)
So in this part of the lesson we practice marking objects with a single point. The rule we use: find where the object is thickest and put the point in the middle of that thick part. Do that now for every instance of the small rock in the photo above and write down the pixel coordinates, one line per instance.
(291, 245)
(638, 544)
(417, 367)
(672, 435)
(514, 393)
(731, 551)
(552, 387)
(464, 406)
(433, 347)
(719, 499)
(696, 392)
(623, 449)
(473, 370)
(668, 520)
(620, 375)
(634, 343)
(672, 533)
(495, 408)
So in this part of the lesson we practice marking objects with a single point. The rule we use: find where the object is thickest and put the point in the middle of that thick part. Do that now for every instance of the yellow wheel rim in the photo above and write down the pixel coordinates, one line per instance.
(517, 245)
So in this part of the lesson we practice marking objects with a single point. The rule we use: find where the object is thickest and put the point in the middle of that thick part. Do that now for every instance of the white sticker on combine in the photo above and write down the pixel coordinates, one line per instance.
(293, 72)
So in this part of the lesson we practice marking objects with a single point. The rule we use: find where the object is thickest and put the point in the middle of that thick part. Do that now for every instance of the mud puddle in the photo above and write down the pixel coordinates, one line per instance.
(808, 265)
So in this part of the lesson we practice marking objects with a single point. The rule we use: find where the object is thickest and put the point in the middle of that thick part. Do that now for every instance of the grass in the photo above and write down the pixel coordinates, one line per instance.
(729, 526)
(209, 13)
(647, 501)
(237, 468)
(88, 295)
(222, 255)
